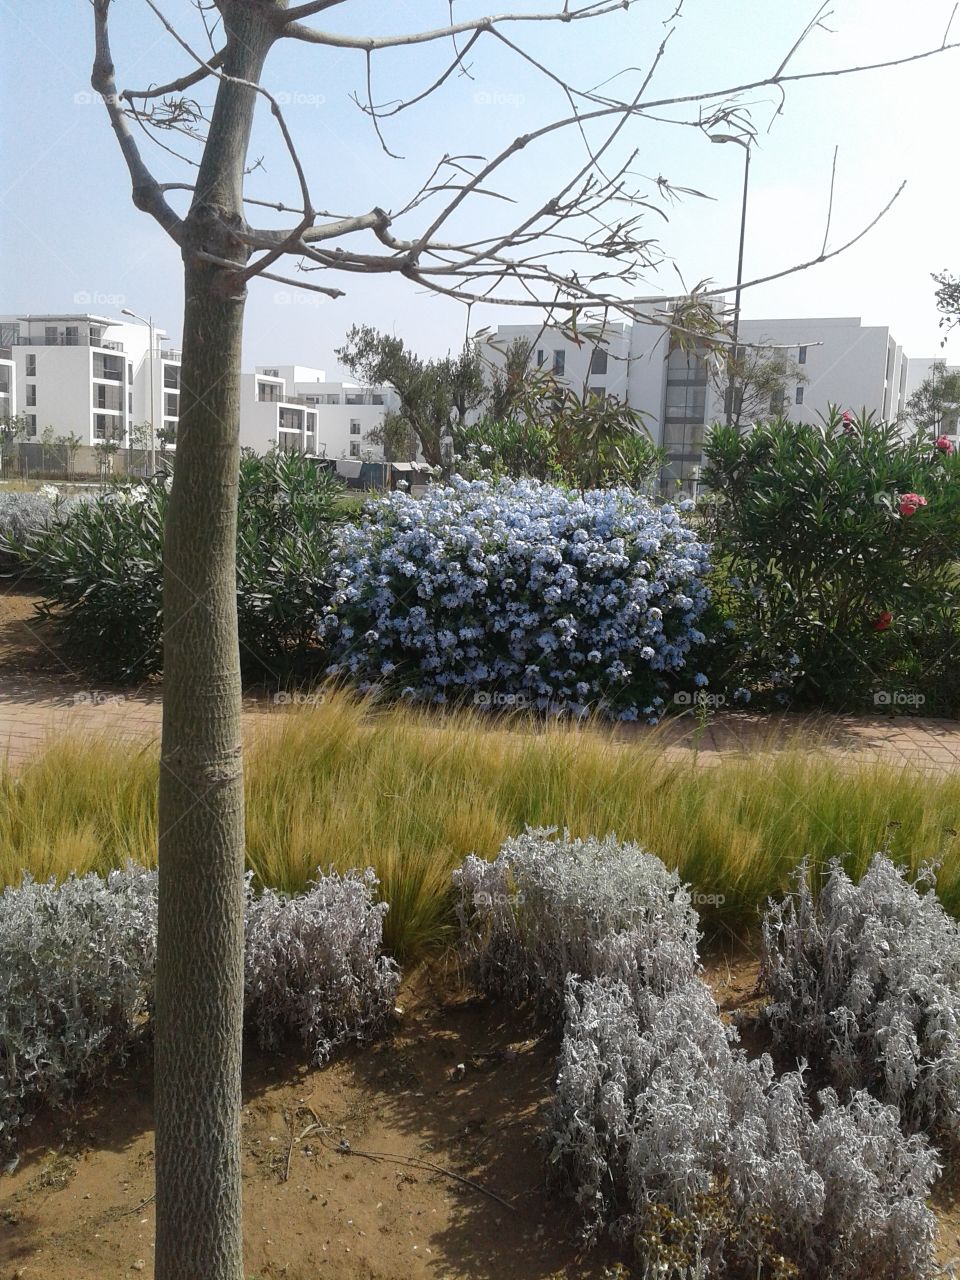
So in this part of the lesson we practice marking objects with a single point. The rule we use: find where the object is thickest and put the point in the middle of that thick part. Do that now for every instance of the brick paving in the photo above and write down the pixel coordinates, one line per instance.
(35, 711)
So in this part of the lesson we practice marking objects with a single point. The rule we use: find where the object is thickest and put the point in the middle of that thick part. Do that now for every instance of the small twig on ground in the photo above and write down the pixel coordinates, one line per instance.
(344, 1148)
(137, 1207)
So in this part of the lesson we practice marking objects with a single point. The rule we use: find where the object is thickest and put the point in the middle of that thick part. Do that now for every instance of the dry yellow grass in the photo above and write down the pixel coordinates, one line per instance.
(410, 794)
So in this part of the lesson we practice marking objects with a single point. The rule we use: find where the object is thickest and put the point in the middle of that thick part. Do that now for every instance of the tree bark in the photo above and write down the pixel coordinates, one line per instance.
(199, 981)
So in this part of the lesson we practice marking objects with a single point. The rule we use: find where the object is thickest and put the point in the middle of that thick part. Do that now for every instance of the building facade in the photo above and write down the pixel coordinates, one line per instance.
(680, 392)
(91, 377)
(295, 409)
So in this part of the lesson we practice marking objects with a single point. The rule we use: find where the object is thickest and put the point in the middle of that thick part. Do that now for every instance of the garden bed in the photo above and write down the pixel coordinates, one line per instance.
(74, 1207)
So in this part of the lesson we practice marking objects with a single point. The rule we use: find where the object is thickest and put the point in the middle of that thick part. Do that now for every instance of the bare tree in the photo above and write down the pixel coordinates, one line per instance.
(583, 244)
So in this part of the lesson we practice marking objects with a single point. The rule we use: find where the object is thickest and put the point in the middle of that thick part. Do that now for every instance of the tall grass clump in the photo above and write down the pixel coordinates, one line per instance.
(412, 793)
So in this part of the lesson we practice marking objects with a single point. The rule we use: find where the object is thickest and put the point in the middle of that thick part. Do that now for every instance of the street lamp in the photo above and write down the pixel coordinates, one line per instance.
(153, 440)
(746, 143)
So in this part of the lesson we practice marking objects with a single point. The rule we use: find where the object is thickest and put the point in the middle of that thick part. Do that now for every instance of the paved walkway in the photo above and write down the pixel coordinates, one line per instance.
(35, 711)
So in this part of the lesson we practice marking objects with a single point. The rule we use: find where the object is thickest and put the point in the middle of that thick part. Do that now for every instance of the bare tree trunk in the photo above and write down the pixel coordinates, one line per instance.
(199, 985)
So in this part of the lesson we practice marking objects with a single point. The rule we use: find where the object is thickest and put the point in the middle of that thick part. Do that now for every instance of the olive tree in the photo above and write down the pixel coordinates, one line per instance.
(581, 243)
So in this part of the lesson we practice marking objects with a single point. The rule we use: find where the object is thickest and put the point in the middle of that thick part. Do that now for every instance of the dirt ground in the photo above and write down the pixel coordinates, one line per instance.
(78, 1204)
(26, 646)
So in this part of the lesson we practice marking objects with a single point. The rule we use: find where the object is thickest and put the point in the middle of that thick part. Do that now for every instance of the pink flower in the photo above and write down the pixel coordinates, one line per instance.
(847, 418)
(882, 623)
(910, 503)
(945, 444)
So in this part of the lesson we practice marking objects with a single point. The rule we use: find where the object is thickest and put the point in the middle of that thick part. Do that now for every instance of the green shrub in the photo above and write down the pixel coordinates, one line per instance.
(100, 564)
(837, 584)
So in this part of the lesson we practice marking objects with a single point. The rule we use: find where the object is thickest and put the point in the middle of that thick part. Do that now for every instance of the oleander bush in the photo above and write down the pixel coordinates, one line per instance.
(864, 982)
(100, 564)
(76, 984)
(315, 967)
(77, 976)
(546, 907)
(518, 591)
(837, 549)
(658, 1113)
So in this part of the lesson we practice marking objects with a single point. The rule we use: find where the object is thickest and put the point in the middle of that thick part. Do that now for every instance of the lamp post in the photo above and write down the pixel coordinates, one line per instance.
(153, 434)
(746, 143)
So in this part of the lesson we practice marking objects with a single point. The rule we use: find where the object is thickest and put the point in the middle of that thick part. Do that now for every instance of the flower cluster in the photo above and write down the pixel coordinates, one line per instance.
(910, 503)
(575, 602)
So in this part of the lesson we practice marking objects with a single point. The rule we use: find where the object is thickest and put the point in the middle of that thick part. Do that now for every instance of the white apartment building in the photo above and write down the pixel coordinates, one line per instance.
(91, 376)
(296, 409)
(918, 371)
(845, 362)
(8, 384)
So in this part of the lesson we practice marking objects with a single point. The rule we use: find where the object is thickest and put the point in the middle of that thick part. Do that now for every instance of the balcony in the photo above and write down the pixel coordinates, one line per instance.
(61, 340)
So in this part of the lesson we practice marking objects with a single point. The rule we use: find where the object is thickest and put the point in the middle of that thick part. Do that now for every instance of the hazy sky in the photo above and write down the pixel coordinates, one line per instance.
(71, 239)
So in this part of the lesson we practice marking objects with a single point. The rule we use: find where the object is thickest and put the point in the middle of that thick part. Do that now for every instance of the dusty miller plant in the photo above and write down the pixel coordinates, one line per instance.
(657, 1110)
(77, 976)
(547, 906)
(864, 982)
(314, 966)
(76, 983)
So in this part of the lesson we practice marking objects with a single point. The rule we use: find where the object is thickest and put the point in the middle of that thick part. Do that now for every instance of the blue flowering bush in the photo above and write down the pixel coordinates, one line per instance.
(482, 591)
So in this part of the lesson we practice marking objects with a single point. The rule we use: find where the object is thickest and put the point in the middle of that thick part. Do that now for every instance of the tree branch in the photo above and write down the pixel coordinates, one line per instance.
(146, 191)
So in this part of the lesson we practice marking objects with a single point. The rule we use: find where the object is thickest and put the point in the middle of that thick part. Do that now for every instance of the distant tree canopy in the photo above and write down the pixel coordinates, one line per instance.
(760, 377)
(429, 390)
(935, 405)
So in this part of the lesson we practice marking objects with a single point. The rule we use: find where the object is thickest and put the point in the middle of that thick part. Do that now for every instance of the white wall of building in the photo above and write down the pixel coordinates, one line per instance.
(89, 375)
(847, 363)
(343, 413)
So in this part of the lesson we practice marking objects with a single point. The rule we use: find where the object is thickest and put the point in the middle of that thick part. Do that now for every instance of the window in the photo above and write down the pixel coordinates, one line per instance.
(101, 427)
(598, 360)
(376, 398)
(354, 427)
(798, 399)
(171, 376)
(130, 403)
(802, 357)
(107, 398)
(31, 424)
(72, 336)
(31, 369)
(271, 373)
(107, 367)
(269, 391)
(354, 448)
(171, 404)
(559, 362)
(50, 336)
(31, 393)
(541, 357)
